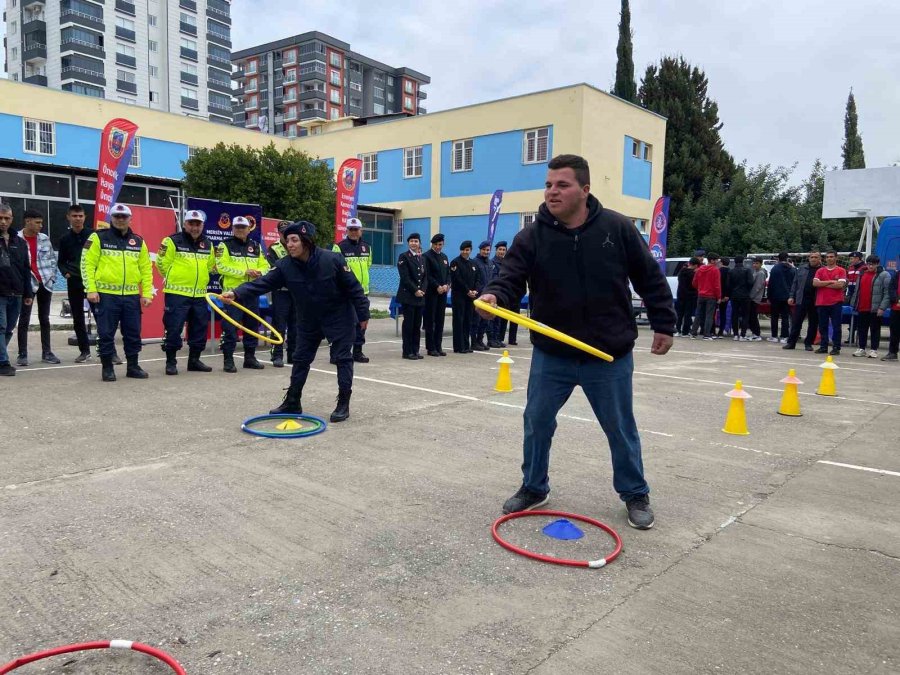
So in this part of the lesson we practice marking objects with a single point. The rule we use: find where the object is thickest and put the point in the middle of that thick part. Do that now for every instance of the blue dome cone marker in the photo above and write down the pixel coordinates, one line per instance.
(562, 529)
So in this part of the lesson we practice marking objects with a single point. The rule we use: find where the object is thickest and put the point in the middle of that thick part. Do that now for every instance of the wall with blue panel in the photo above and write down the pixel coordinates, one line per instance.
(80, 147)
(636, 172)
(383, 280)
(391, 186)
(457, 229)
(496, 165)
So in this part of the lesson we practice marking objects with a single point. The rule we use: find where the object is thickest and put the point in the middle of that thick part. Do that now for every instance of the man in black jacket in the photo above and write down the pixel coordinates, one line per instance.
(577, 259)
(437, 273)
(463, 277)
(411, 296)
(722, 319)
(15, 284)
(802, 299)
(740, 283)
(779, 290)
(483, 328)
(329, 301)
(687, 298)
(69, 262)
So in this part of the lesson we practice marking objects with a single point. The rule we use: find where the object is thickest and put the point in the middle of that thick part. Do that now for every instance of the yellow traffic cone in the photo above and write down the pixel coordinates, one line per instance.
(504, 379)
(736, 421)
(827, 385)
(790, 400)
(288, 425)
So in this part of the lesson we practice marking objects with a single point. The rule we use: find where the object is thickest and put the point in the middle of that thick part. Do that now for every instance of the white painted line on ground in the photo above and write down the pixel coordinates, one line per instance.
(884, 472)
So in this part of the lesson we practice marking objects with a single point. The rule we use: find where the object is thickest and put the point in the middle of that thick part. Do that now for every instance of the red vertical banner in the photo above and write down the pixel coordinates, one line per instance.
(116, 146)
(153, 224)
(269, 231)
(348, 177)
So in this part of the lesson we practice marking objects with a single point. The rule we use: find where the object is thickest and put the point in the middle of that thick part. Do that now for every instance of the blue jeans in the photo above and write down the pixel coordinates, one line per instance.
(608, 388)
(830, 314)
(10, 306)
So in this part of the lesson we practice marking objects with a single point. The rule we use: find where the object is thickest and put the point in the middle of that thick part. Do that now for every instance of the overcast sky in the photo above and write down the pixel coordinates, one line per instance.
(780, 71)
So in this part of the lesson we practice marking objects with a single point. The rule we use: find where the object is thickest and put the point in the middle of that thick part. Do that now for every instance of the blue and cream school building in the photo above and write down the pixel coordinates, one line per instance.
(430, 173)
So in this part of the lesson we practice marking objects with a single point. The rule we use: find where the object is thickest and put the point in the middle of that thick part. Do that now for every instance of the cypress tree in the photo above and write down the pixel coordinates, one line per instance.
(625, 86)
(852, 151)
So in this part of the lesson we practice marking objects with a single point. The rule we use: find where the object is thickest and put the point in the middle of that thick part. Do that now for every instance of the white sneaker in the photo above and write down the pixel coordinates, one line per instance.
(745, 339)
(772, 339)
(859, 352)
(755, 338)
(736, 338)
(873, 354)
(784, 341)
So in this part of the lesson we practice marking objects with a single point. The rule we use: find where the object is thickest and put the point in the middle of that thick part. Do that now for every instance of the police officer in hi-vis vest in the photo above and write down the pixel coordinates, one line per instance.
(185, 260)
(358, 255)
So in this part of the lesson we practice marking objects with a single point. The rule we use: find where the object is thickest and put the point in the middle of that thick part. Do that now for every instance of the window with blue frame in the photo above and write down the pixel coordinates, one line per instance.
(378, 230)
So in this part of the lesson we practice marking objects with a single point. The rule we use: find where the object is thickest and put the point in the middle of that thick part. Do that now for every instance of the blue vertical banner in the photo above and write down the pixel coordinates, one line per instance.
(659, 231)
(218, 224)
(494, 214)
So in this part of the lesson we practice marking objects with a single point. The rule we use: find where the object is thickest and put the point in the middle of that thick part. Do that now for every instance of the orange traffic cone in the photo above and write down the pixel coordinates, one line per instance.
(827, 385)
(736, 421)
(790, 400)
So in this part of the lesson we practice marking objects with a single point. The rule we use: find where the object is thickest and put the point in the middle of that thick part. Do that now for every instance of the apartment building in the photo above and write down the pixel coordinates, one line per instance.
(168, 55)
(287, 86)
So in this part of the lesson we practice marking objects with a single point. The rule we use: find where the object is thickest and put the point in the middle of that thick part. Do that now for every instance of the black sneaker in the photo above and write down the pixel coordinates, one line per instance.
(49, 357)
(890, 356)
(84, 356)
(808, 348)
(822, 350)
(7, 370)
(524, 500)
(640, 515)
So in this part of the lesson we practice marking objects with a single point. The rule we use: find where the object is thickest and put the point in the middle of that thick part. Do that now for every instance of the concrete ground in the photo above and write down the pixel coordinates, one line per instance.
(139, 510)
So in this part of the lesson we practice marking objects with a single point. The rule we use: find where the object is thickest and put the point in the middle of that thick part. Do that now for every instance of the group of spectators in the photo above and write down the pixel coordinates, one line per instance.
(814, 293)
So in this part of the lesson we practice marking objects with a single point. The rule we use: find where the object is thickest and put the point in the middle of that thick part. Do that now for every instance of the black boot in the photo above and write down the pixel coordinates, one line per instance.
(195, 364)
(291, 402)
(171, 362)
(250, 360)
(228, 363)
(133, 369)
(277, 359)
(108, 372)
(342, 409)
(359, 357)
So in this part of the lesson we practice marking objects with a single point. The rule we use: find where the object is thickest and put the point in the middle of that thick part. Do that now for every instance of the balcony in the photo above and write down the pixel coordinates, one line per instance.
(125, 60)
(35, 79)
(218, 11)
(84, 47)
(34, 26)
(126, 87)
(220, 86)
(189, 103)
(290, 115)
(312, 95)
(189, 54)
(83, 74)
(34, 52)
(187, 29)
(422, 111)
(218, 109)
(224, 119)
(126, 34)
(188, 4)
(221, 64)
(422, 95)
(188, 78)
(311, 115)
(68, 15)
(126, 7)
(219, 39)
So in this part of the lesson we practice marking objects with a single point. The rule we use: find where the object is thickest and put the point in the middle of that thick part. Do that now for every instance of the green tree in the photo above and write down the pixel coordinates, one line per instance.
(852, 150)
(694, 148)
(625, 86)
(288, 185)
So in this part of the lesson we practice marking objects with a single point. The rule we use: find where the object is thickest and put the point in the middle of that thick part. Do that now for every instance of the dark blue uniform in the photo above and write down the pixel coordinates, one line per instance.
(485, 274)
(437, 273)
(329, 302)
(411, 268)
(284, 317)
(462, 280)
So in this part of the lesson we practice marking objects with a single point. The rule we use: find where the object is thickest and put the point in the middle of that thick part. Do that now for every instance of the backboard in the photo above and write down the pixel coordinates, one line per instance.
(861, 192)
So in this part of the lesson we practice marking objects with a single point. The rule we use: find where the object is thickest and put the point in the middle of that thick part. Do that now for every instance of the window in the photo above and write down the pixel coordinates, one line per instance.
(378, 92)
(408, 86)
(188, 93)
(251, 67)
(154, 71)
(189, 19)
(412, 162)
(153, 45)
(218, 29)
(378, 109)
(186, 43)
(390, 97)
(527, 219)
(151, 19)
(370, 167)
(125, 50)
(335, 78)
(135, 161)
(390, 80)
(292, 131)
(648, 152)
(640, 224)
(188, 68)
(12, 28)
(154, 97)
(290, 76)
(290, 57)
(40, 137)
(335, 59)
(335, 113)
(407, 102)
(253, 119)
(125, 76)
(253, 101)
(122, 22)
(462, 155)
(635, 148)
(356, 86)
(192, 151)
(126, 100)
(535, 145)
(251, 84)
(355, 102)
(14, 53)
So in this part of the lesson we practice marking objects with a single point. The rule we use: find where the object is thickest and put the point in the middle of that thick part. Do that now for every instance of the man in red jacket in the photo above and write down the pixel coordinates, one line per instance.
(708, 283)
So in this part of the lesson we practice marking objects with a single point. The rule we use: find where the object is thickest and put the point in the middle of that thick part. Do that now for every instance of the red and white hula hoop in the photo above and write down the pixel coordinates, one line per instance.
(593, 564)
(101, 644)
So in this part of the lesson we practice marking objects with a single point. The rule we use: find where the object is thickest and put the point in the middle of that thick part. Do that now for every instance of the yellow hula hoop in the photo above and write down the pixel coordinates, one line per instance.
(224, 315)
(537, 327)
